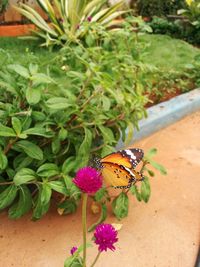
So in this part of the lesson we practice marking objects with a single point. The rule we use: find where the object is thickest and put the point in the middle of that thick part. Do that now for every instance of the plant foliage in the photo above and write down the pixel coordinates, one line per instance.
(54, 117)
(3, 6)
(158, 7)
(69, 20)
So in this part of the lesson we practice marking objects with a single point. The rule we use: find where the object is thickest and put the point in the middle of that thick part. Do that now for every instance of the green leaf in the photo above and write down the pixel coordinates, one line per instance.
(38, 116)
(24, 175)
(33, 68)
(69, 165)
(151, 173)
(145, 190)
(62, 135)
(10, 172)
(107, 150)
(73, 261)
(73, 189)
(55, 145)
(32, 150)
(101, 218)
(68, 262)
(159, 167)
(17, 126)
(134, 190)
(2, 187)
(33, 95)
(38, 131)
(23, 205)
(7, 196)
(107, 133)
(41, 78)
(6, 131)
(3, 160)
(100, 194)
(25, 162)
(83, 152)
(89, 40)
(106, 103)
(48, 170)
(22, 71)
(68, 206)
(120, 206)
(58, 103)
(151, 153)
(129, 135)
(43, 201)
(59, 186)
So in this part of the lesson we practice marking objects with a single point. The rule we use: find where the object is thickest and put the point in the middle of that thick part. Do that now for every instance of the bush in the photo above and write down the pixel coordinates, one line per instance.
(3, 6)
(179, 28)
(69, 20)
(164, 26)
(159, 8)
(55, 117)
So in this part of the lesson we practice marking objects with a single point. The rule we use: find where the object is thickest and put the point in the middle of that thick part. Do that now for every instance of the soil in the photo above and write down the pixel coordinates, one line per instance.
(168, 94)
(154, 99)
(9, 23)
(162, 233)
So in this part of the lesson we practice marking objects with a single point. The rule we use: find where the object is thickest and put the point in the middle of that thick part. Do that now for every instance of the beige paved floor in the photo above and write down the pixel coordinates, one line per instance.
(163, 233)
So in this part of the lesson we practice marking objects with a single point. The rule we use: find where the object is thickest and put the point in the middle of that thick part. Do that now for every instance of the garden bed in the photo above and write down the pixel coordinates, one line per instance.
(39, 78)
(15, 30)
(73, 104)
(163, 52)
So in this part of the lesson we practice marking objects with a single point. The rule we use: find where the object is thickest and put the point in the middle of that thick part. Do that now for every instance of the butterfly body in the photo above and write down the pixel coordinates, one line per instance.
(118, 169)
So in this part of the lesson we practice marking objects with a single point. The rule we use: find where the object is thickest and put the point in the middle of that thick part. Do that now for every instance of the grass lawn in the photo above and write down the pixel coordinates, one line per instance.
(168, 53)
(162, 51)
(23, 51)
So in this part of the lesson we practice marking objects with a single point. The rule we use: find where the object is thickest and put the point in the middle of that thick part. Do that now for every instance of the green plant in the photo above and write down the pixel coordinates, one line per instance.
(3, 6)
(164, 26)
(193, 70)
(158, 8)
(179, 28)
(69, 20)
(192, 11)
(55, 117)
(90, 181)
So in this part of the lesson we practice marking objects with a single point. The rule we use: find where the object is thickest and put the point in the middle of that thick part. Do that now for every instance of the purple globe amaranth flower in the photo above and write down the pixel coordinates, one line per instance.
(73, 250)
(88, 179)
(89, 18)
(105, 236)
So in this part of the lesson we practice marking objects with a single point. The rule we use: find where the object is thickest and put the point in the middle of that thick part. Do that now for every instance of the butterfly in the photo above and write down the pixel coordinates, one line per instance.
(118, 168)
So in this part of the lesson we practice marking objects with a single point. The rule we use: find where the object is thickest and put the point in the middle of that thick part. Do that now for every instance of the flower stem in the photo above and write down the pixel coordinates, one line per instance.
(96, 259)
(84, 224)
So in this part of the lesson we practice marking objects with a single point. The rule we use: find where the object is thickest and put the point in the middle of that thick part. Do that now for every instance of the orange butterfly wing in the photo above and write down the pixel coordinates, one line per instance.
(128, 157)
(115, 175)
(118, 168)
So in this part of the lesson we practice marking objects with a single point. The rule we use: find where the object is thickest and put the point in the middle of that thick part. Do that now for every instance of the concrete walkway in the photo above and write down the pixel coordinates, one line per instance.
(163, 233)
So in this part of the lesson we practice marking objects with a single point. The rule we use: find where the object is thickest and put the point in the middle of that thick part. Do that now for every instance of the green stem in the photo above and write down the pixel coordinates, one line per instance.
(9, 145)
(84, 224)
(96, 259)
(9, 183)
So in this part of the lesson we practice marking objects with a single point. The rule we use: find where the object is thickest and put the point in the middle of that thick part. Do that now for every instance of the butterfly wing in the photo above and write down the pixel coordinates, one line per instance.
(128, 158)
(116, 175)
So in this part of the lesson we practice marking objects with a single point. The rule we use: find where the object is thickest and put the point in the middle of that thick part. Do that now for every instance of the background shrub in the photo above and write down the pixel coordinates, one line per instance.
(159, 7)
(178, 28)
